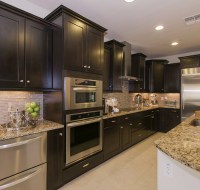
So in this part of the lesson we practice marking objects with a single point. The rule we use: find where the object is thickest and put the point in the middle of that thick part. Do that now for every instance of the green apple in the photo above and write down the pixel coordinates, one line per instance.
(29, 110)
(36, 109)
(33, 104)
(28, 105)
(34, 114)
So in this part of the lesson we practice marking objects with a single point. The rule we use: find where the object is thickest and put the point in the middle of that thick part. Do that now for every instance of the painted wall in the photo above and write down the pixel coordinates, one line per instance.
(28, 7)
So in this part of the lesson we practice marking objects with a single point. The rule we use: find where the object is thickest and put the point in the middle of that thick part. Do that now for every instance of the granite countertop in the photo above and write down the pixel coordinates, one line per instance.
(121, 113)
(42, 126)
(182, 144)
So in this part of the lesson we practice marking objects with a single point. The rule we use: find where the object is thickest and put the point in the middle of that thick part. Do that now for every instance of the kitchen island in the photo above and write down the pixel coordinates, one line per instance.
(179, 157)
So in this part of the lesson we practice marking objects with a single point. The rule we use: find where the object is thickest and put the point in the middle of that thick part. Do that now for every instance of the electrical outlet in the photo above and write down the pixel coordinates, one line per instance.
(168, 170)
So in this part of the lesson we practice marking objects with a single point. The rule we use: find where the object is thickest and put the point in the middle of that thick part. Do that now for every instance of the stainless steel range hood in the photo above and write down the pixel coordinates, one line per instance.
(127, 63)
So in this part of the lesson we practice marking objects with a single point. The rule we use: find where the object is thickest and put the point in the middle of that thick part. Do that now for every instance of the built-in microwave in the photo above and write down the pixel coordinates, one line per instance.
(82, 93)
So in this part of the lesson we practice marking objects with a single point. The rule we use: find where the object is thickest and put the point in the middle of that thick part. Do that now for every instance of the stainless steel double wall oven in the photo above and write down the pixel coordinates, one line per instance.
(83, 105)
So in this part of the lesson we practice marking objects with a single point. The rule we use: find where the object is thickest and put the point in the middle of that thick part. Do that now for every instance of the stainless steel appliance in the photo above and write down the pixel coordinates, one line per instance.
(83, 135)
(82, 93)
(190, 91)
(23, 163)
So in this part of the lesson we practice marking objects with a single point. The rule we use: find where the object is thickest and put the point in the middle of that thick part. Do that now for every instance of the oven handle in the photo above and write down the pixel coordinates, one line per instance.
(75, 124)
(84, 89)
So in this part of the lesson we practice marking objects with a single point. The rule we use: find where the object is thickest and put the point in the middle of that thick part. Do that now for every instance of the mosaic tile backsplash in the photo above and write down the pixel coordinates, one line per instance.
(17, 100)
(126, 99)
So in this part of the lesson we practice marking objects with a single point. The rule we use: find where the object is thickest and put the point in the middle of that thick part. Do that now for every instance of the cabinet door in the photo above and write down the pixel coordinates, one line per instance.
(111, 141)
(125, 135)
(95, 50)
(11, 50)
(172, 78)
(55, 158)
(106, 70)
(117, 68)
(38, 55)
(158, 77)
(74, 44)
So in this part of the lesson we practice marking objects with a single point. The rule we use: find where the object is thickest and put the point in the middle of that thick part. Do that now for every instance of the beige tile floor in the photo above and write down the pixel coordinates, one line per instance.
(134, 169)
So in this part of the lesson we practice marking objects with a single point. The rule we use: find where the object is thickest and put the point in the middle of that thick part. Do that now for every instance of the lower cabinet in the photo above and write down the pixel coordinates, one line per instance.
(55, 158)
(170, 118)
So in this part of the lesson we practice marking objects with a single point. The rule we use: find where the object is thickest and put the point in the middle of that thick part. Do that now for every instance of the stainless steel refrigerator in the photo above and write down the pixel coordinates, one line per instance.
(190, 91)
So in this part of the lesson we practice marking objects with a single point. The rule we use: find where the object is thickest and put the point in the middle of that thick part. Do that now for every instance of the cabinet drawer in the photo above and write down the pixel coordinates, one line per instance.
(22, 153)
(80, 168)
(138, 135)
(111, 122)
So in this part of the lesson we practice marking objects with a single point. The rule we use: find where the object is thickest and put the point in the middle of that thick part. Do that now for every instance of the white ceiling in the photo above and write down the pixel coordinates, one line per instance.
(135, 22)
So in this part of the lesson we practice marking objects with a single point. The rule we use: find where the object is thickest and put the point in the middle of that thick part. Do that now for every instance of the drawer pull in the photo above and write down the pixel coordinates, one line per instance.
(131, 124)
(121, 127)
(152, 111)
(126, 118)
(61, 134)
(139, 123)
(152, 117)
(86, 165)
(26, 178)
(113, 121)
(177, 116)
(157, 110)
(18, 143)
(174, 111)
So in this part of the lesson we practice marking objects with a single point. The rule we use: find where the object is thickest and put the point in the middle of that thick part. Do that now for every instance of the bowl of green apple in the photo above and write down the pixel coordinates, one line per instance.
(32, 113)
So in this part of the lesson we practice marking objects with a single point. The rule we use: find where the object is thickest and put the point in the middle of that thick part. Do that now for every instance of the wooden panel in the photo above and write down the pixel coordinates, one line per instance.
(74, 44)
(38, 55)
(107, 83)
(11, 50)
(95, 50)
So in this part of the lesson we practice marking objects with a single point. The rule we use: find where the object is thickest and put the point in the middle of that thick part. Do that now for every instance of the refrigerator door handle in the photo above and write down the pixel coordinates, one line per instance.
(13, 183)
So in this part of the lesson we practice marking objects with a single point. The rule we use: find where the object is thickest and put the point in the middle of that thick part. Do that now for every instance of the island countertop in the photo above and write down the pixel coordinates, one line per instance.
(182, 144)
(42, 126)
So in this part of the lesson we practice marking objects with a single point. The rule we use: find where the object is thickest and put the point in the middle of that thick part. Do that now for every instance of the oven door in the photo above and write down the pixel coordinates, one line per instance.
(83, 139)
(85, 97)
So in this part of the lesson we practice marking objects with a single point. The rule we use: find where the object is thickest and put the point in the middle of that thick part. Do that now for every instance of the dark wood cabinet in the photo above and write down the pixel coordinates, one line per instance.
(12, 50)
(125, 135)
(154, 80)
(74, 44)
(137, 70)
(83, 41)
(190, 61)
(115, 67)
(55, 159)
(172, 78)
(26, 45)
(38, 55)
(170, 118)
(111, 145)
(107, 83)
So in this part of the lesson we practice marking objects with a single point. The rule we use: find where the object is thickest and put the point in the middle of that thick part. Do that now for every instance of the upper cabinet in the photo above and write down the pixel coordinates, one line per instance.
(113, 66)
(154, 80)
(83, 41)
(172, 78)
(190, 61)
(26, 46)
(138, 71)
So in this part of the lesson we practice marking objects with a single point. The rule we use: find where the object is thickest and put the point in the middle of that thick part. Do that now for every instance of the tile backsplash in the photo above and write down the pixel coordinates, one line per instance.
(17, 100)
(126, 99)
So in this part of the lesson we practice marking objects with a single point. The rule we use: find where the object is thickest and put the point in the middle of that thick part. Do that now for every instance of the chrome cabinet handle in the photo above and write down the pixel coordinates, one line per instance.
(174, 111)
(157, 110)
(121, 127)
(139, 123)
(18, 143)
(86, 165)
(126, 118)
(13, 183)
(88, 67)
(28, 81)
(113, 121)
(61, 134)
(85, 66)
(79, 123)
(152, 117)
(131, 124)
(21, 81)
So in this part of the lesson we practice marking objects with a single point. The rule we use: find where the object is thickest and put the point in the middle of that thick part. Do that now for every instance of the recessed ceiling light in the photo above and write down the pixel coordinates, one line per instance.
(128, 1)
(160, 27)
(174, 43)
